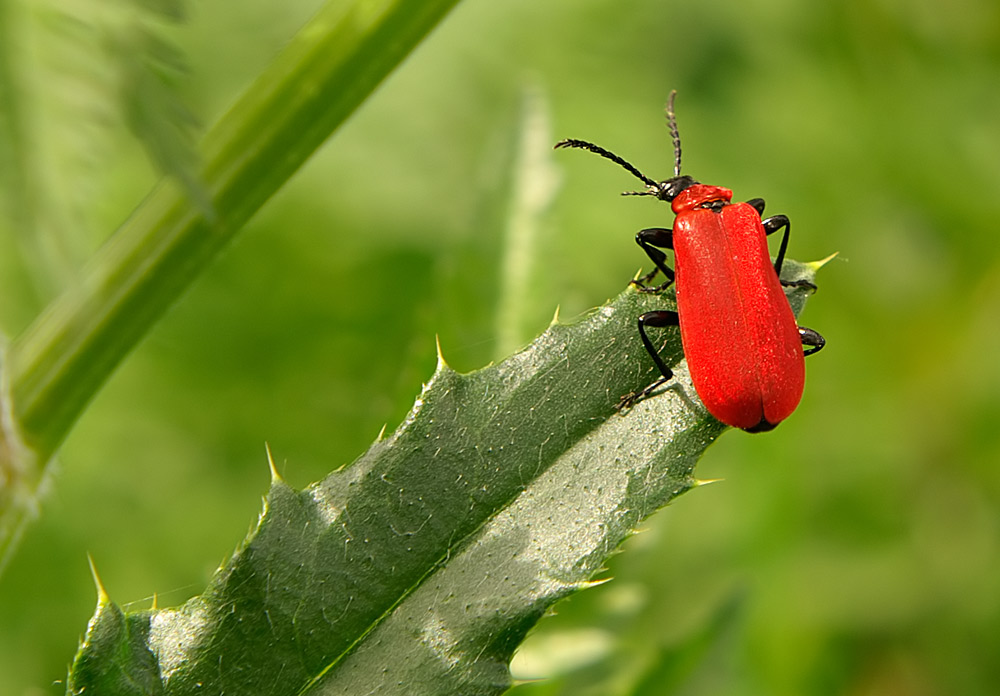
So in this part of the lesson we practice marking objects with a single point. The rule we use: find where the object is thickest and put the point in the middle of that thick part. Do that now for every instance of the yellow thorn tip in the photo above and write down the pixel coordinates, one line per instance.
(816, 265)
(442, 363)
(527, 680)
(102, 595)
(275, 476)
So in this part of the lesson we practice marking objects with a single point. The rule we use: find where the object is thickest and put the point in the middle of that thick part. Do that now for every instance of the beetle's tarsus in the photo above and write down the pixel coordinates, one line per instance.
(629, 400)
(799, 284)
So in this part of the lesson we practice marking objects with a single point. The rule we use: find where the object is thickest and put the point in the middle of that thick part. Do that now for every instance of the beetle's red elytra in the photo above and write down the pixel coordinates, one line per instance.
(743, 346)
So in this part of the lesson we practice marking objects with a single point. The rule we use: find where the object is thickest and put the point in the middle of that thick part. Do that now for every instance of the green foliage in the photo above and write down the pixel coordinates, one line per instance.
(71, 74)
(853, 550)
(56, 365)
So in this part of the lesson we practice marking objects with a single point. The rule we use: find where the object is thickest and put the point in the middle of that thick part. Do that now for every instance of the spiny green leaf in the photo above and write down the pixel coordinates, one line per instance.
(419, 568)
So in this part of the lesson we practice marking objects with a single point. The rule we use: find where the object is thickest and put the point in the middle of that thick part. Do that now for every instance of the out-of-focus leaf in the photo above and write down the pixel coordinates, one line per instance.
(534, 182)
(150, 66)
(168, 9)
(70, 74)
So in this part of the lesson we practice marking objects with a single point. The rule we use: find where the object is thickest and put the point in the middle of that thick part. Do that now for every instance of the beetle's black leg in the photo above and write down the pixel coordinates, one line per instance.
(772, 225)
(811, 338)
(757, 204)
(649, 239)
(803, 283)
(657, 320)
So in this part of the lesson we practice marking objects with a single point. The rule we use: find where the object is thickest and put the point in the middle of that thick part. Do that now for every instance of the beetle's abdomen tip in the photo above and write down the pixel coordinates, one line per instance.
(761, 427)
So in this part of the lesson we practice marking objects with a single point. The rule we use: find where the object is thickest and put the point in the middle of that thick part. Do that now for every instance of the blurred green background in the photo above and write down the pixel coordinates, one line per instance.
(855, 550)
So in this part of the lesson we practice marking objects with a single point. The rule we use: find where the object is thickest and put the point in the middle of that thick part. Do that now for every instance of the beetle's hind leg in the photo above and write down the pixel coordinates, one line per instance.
(658, 319)
(811, 338)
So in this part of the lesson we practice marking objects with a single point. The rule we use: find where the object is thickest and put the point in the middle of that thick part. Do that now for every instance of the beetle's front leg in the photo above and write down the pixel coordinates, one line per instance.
(652, 239)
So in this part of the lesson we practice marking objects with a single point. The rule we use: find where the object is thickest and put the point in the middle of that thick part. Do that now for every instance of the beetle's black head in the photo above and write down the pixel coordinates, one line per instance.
(666, 190)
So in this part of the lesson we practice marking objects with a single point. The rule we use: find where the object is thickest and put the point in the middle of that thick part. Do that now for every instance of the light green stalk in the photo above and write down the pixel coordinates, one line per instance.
(60, 362)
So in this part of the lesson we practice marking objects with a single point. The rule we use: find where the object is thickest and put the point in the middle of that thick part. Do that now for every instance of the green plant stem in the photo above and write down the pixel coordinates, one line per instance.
(334, 63)
(60, 362)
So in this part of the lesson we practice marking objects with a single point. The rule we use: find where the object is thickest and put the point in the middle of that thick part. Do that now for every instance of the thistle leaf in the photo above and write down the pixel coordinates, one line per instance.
(419, 568)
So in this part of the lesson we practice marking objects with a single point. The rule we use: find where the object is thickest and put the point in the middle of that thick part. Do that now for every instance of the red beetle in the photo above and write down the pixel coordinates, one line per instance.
(743, 346)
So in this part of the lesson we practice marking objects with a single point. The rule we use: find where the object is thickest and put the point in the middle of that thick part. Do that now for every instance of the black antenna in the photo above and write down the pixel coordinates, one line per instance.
(597, 149)
(674, 135)
(664, 190)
